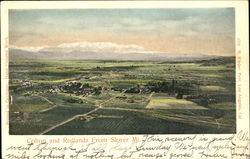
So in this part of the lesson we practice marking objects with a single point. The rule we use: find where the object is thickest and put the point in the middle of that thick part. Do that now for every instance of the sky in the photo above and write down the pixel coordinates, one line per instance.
(206, 31)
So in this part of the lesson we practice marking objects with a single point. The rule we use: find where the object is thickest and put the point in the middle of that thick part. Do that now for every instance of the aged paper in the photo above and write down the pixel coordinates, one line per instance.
(127, 79)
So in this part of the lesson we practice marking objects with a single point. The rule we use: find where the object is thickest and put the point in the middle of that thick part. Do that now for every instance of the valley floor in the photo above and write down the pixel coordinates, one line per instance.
(58, 97)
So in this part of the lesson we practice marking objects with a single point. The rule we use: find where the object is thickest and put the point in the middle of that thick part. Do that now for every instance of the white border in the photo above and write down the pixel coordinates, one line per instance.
(241, 10)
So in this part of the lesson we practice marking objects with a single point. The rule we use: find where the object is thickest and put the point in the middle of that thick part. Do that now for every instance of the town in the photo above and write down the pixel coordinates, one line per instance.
(176, 97)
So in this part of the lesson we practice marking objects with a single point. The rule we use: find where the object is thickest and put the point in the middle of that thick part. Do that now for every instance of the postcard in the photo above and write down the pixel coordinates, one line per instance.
(125, 79)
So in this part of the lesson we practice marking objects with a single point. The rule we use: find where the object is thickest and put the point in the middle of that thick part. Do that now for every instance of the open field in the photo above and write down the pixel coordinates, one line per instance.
(172, 103)
(115, 97)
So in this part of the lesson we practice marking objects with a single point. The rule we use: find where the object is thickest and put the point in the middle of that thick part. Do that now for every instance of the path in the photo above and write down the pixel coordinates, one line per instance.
(47, 109)
(68, 120)
(79, 115)
(150, 96)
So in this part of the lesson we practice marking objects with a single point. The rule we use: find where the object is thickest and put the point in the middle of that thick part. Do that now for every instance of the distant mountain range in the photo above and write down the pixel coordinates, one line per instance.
(100, 51)
(22, 54)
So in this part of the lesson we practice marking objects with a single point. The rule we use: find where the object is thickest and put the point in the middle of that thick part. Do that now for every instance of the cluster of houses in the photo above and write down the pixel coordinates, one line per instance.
(25, 82)
(88, 117)
(21, 116)
(141, 90)
(78, 88)
(72, 87)
(38, 91)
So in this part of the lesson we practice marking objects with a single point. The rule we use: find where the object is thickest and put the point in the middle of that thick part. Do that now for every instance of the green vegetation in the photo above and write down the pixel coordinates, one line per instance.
(130, 123)
(172, 103)
(212, 88)
(169, 97)
(29, 104)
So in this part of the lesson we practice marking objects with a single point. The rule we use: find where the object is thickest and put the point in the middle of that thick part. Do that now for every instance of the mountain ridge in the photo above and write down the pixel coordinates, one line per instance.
(23, 54)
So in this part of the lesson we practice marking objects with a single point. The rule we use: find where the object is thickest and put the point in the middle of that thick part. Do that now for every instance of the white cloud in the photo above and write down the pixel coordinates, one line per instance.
(98, 47)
